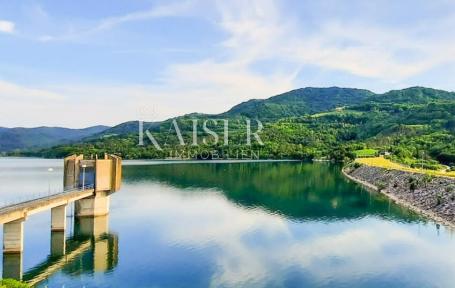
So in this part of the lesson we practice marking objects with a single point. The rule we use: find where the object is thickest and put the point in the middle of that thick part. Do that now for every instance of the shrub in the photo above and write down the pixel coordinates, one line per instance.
(439, 198)
(428, 166)
(427, 179)
(381, 186)
(11, 283)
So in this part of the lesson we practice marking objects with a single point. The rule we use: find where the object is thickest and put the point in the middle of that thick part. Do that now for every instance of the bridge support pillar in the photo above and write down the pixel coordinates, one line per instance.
(13, 237)
(97, 205)
(58, 218)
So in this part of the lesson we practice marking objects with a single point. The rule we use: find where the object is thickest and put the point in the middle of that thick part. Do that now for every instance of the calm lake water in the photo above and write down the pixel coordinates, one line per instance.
(271, 224)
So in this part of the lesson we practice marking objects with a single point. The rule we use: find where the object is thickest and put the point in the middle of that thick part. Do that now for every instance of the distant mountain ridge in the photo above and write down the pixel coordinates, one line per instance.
(414, 95)
(299, 102)
(39, 137)
(302, 101)
(295, 103)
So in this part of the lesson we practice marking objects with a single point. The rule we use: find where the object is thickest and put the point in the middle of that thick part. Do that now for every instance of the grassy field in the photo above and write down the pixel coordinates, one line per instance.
(337, 111)
(366, 153)
(385, 163)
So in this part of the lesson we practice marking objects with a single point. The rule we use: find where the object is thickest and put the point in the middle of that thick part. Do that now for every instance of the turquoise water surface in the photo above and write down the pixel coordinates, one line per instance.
(267, 224)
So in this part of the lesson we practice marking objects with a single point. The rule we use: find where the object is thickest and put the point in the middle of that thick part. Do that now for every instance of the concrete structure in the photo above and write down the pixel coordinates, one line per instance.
(96, 205)
(58, 218)
(102, 174)
(13, 236)
(87, 183)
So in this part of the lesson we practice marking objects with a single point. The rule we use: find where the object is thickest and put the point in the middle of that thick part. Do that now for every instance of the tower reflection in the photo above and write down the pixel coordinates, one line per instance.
(91, 249)
(12, 266)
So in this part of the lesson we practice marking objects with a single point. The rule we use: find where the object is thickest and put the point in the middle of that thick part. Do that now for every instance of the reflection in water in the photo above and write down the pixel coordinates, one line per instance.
(299, 191)
(12, 266)
(91, 249)
(248, 225)
(285, 225)
(58, 244)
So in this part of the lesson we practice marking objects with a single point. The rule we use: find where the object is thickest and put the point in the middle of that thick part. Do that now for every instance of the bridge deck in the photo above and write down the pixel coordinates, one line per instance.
(24, 209)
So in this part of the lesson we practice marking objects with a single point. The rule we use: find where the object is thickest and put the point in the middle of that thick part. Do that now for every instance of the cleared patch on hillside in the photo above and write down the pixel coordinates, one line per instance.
(387, 164)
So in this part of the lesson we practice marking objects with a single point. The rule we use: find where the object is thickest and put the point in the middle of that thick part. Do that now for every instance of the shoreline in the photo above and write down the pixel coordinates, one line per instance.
(133, 162)
(405, 203)
(175, 160)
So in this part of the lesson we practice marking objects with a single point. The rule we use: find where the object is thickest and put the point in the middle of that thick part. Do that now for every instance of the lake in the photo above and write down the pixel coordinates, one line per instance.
(262, 224)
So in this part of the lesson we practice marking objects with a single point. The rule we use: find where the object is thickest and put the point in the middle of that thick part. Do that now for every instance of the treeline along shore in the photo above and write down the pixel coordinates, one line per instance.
(430, 195)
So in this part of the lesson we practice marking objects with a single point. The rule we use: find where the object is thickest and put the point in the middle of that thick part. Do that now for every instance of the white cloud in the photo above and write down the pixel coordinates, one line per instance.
(20, 93)
(7, 26)
(172, 9)
(68, 105)
(206, 87)
(213, 87)
(260, 32)
(376, 52)
(102, 25)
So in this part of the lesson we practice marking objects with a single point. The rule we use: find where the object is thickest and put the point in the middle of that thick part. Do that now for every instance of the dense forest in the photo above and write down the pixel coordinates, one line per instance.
(415, 126)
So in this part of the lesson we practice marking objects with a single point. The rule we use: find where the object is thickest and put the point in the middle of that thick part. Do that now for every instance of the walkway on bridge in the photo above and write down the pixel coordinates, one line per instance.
(90, 197)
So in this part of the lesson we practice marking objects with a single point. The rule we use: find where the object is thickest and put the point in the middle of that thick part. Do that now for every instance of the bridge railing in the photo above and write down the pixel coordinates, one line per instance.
(37, 196)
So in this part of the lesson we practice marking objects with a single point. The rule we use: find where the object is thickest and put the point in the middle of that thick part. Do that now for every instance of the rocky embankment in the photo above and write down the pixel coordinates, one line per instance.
(432, 196)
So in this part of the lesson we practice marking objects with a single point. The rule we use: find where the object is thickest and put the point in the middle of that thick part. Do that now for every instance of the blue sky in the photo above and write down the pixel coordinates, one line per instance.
(81, 63)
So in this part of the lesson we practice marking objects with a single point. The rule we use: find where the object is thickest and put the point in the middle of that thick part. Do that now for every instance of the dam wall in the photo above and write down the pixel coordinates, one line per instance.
(430, 195)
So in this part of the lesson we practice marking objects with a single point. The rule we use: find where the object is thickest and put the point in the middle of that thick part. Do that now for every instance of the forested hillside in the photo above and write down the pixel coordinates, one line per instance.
(416, 125)
(299, 102)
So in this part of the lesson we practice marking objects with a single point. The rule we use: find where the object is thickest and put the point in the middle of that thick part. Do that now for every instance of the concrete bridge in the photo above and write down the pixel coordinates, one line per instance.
(87, 184)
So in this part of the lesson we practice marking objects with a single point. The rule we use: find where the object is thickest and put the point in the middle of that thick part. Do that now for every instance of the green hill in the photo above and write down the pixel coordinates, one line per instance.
(416, 125)
(39, 137)
(121, 129)
(299, 102)
(412, 95)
